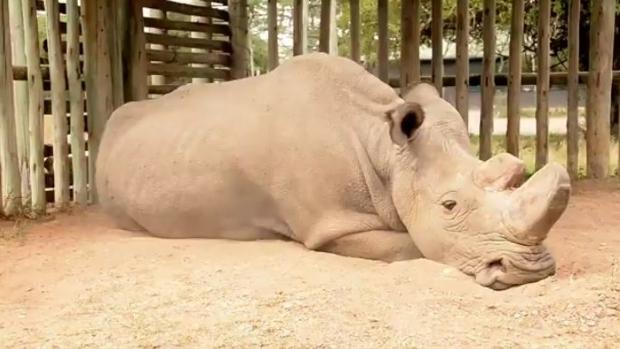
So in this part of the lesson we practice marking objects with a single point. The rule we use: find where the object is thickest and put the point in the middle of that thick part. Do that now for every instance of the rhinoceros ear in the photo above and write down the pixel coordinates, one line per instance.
(404, 120)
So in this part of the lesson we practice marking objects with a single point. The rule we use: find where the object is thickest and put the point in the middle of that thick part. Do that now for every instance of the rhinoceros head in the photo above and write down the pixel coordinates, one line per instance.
(477, 216)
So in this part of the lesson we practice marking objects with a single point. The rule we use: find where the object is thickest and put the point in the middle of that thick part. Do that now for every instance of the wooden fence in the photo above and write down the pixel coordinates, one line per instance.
(598, 78)
(94, 56)
(98, 54)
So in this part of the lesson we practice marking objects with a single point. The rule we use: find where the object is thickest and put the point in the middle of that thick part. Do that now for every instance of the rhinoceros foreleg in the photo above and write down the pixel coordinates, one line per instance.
(388, 246)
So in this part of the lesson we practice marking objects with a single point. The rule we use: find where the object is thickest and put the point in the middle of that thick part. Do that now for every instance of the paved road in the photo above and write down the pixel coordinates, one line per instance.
(557, 125)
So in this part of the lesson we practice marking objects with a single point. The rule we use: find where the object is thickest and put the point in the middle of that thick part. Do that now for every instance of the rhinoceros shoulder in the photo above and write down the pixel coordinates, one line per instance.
(335, 72)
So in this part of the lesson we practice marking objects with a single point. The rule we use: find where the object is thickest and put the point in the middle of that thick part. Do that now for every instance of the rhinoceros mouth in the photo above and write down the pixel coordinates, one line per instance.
(506, 271)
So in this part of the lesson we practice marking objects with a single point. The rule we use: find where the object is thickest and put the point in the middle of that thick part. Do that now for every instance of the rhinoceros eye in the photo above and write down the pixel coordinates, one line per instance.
(449, 204)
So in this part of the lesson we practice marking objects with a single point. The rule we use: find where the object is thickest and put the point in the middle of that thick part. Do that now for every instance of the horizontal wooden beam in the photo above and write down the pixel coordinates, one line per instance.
(188, 57)
(162, 89)
(556, 78)
(21, 73)
(62, 7)
(63, 47)
(186, 9)
(187, 26)
(169, 40)
(185, 71)
(47, 107)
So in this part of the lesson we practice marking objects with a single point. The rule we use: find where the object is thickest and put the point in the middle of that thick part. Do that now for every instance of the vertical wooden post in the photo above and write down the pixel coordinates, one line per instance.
(333, 29)
(272, 39)
(76, 98)
(18, 50)
(488, 79)
(513, 128)
(300, 27)
(599, 88)
(542, 86)
(59, 105)
(35, 106)
(408, 50)
(415, 41)
(158, 14)
(325, 30)
(382, 53)
(462, 59)
(98, 80)
(209, 36)
(114, 24)
(355, 30)
(572, 123)
(437, 44)
(618, 130)
(11, 187)
(197, 35)
(137, 56)
(238, 10)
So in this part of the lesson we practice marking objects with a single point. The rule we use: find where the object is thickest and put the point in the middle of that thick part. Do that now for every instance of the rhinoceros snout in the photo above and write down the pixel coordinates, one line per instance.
(505, 272)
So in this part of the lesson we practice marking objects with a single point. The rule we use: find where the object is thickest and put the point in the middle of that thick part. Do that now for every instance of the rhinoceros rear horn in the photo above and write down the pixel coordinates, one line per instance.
(404, 120)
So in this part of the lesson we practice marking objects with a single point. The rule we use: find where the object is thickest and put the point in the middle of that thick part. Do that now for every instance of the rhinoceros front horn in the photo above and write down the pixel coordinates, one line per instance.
(538, 204)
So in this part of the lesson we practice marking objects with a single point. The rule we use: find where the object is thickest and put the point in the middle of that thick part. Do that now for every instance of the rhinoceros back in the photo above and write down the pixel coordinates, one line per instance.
(243, 159)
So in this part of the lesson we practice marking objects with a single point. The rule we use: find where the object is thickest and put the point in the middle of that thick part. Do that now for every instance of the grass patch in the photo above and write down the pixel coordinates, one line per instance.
(557, 151)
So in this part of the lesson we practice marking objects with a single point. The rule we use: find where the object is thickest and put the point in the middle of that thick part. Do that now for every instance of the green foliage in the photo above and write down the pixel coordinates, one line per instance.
(368, 33)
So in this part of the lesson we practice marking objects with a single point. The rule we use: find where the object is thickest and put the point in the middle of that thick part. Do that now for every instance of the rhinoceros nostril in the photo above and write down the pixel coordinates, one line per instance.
(497, 264)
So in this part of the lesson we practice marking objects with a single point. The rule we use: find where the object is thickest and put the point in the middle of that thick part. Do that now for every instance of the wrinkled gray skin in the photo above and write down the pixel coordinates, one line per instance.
(323, 153)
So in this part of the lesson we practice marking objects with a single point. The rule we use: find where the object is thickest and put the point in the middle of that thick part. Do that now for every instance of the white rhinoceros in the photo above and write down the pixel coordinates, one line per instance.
(321, 152)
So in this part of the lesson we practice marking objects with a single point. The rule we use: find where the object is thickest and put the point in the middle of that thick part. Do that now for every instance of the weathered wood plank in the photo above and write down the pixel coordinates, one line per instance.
(488, 80)
(300, 27)
(572, 123)
(181, 70)
(462, 59)
(382, 48)
(333, 29)
(355, 29)
(437, 44)
(188, 57)
(514, 78)
(59, 104)
(18, 51)
(137, 56)
(187, 26)
(407, 48)
(272, 35)
(162, 89)
(186, 9)
(115, 15)
(542, 86)
(157, 14)
(200, 35)
(40, 4)
(35, 107)
(63, 46)
(98, 81)
(240, 41)
(76, 98)
(324, 33)
(599, 88)
(9, 164)
(170, 40)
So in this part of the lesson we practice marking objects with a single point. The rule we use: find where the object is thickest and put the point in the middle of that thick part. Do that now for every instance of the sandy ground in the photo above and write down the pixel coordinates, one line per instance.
(71, 282)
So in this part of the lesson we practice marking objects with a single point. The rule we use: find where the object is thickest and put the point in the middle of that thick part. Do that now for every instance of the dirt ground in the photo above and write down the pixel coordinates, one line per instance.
(72, 282)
